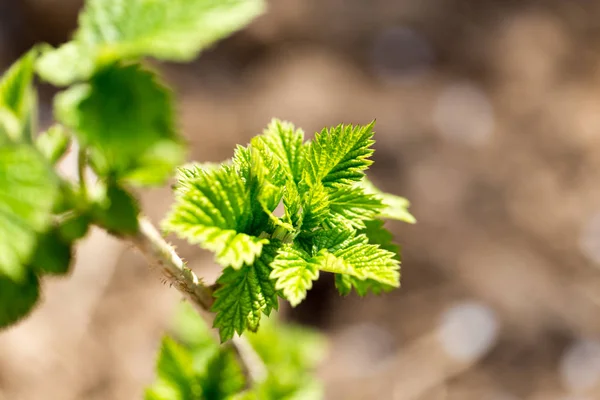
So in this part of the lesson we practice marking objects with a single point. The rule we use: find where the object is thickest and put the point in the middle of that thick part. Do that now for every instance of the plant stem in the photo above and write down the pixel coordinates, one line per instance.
(150, 242)
(81, 166)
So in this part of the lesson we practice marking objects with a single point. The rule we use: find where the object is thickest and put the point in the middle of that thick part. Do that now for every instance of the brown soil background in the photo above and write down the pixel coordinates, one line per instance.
(487, 120)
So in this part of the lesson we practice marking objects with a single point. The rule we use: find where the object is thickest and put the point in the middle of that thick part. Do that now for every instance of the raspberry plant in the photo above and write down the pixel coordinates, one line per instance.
(276, 215)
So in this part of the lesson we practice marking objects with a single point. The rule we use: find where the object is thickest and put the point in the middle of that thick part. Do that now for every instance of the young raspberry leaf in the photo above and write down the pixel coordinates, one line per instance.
(290, 353)
(315, 207)
(244, 295)
(395, 207)
(264, 180)
(173, 30)
(377, 234)
(362, 265)
(18, 98)
(53, 143)
(176, 377)
(212, 210)
(338, 156)
(223, 377)
(52, 254)
(294, 270)
(117, 211)
(286, 145)
(17, 298)
(28, 191)
(125, 117)
(351, 206)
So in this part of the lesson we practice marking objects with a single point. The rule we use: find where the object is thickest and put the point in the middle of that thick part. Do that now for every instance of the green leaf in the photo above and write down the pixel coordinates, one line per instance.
(377, 234)
(173, 30)
(71, 62)
(125, 117)
(17, 298)
(28, 191)
(244, 295)
(52, 255)
(223, 377)
(339, 155)
(292, 205)
(212, 209)
(117, 211)
(315, 207)
(290, 352)
(285, 143)
(17, 95)
(396, 207)
(364, 266)
(74, 227)
(53, 143)
(351, 206)
(176, 377)
(295, 270)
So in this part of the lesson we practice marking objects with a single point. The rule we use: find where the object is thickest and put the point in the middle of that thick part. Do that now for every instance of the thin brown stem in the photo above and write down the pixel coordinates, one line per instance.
(81, 166)
(160, 253)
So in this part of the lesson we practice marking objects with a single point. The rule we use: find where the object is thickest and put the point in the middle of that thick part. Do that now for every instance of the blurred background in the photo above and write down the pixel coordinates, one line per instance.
(488, 120)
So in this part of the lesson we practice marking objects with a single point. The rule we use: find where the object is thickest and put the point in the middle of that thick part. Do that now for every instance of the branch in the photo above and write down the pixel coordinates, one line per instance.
(150, 242)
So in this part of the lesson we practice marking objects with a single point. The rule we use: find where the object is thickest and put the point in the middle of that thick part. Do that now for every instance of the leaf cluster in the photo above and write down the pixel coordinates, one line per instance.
(192, 365)
(119, 112)
(329, 220)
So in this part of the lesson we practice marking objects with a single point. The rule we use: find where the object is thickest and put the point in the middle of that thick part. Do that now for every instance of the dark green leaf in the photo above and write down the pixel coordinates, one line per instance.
(118, 211)
(17, 298)
(377, 234)
(125, 117)
(223, 377)
(176, 377)
(52, 254)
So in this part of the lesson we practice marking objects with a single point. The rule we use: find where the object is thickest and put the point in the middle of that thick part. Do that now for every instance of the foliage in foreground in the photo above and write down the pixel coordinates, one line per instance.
(278, 214)
(192, 365)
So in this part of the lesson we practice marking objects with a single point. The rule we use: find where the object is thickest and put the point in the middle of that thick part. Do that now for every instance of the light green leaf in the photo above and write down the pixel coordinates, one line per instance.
(28, 191)
(264, 179)
(71, 62)
(17, 298)
(125, 117)
(351, 206)
(295, 270)
(285, 143)
(18, 97)
(212, 210)
(315, 207)
(339, 155)
(244, 295)
(173, 30)
(53, 143)
(396, 207)
(292, 204)
(363, 265)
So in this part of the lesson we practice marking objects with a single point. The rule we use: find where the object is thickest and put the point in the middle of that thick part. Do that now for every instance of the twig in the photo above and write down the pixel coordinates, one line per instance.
(81, 165)
(150, 242)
